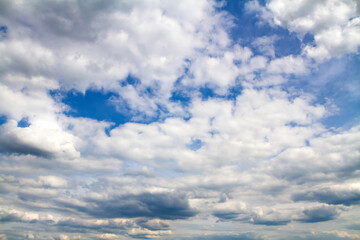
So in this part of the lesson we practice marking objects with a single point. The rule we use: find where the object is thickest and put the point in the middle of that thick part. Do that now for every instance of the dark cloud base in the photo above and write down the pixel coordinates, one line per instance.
(150, 205)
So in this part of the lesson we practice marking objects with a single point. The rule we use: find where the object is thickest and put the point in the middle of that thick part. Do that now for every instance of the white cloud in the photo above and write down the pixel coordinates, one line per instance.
(259, 120)
(343, 234)
(288, 65)
(336, 41)
(52, 181)
(334, 24)
(265, 45)
(120, 38)
(259, 158)
(43, 138)
(219, 71)
(27, 98)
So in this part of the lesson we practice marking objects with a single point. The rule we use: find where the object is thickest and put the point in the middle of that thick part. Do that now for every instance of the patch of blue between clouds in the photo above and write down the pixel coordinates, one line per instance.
(93, 104)
(294, 124)
(100, 105)
(130, 80)
(195, 144)
(107, 106)
(182, 94)
(334, 82)
(308, 39)
(207, 92)
(23, 123)
(288, 44)
(344, 88)
(3, 119)
(248, 27)
(3, 32)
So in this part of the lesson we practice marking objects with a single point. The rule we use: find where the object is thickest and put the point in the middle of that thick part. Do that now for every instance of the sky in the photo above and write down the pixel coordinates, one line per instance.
(182, 120)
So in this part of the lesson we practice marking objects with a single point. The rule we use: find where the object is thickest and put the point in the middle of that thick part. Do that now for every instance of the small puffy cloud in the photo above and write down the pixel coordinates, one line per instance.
(146, 233)
(229, 210)
(219, 71)
(52, 181)
(288, 65)
(265, 45)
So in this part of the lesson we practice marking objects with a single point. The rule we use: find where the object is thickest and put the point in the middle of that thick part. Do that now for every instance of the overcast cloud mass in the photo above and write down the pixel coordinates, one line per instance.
(179, 119)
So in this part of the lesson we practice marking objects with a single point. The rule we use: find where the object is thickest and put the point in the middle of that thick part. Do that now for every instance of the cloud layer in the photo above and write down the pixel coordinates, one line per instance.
(213, 137)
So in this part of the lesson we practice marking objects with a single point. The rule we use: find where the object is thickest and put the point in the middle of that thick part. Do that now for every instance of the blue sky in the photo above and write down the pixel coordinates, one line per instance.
(179, 119)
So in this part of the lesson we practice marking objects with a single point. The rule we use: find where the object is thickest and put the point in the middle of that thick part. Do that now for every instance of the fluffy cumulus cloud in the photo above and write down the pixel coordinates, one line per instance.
(334, 25)
(179, 120)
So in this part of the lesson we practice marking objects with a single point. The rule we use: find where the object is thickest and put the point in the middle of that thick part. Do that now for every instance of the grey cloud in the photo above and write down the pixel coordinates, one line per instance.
(12, 145)
(71, 225)
(311, 173)
(153, 225)
(34, 195)
(9, 217)
(354, 226)
(73, 20)
(69, 19)
(317, 165)
(312, 235)
(270, 218)
(225, 215)
(320, 214)
(330, 196)
(242, 236)
(260, 221)
(68, 225)
(11, 142)
(13, 235)
(277, 217)
(7, 8)
(234, 160)
(151, 205)
(36, 140)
